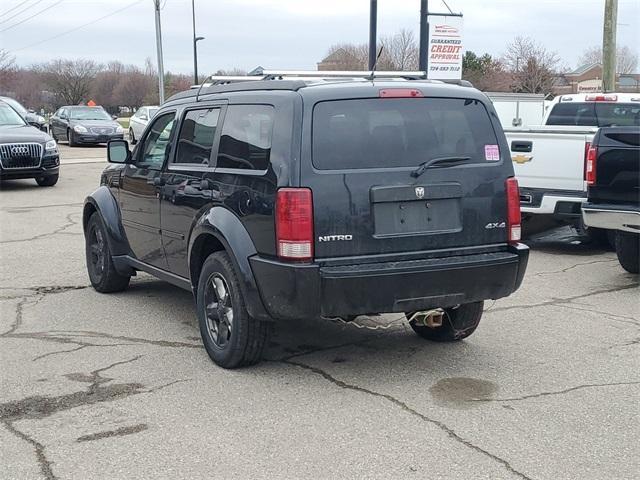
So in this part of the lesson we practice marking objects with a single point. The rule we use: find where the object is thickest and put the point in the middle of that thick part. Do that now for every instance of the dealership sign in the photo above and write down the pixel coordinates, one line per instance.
(445, 48)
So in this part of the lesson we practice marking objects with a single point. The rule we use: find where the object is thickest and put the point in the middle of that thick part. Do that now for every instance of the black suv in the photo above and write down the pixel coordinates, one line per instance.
(290, 199)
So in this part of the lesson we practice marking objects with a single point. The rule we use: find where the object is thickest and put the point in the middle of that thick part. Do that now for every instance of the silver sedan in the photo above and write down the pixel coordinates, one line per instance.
(139, 122)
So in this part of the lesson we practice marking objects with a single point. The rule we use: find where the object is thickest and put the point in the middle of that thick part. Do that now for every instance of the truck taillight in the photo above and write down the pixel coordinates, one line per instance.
(401, 93)
(514, 228)
(590, 164)
(601, 98)
(294, 224)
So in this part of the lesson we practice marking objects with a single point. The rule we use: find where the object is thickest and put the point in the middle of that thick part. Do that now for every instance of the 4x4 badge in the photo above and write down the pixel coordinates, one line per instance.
(419, 192)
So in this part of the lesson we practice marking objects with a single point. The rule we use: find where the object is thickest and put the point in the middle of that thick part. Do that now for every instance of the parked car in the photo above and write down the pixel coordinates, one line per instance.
(549, 161)
(314, 199)
(30, 116)
(139, 121)
(79, 124)
(25, 151)
(613, 203)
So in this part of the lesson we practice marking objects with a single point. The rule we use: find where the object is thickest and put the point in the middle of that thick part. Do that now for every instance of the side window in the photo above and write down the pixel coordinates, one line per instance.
(156, 146)
(245, 142)
(196, 136)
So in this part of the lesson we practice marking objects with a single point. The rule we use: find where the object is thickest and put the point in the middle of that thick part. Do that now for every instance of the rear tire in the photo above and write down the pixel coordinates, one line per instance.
(457, 324)
(231, 337)
(102, 272)
(628, 251)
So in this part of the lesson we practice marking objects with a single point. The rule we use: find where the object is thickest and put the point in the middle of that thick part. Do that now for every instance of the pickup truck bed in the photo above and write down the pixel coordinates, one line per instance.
(614, 192)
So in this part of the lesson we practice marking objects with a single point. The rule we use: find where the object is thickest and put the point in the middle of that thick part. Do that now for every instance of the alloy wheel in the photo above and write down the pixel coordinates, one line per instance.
(97, 251)
(218, 310)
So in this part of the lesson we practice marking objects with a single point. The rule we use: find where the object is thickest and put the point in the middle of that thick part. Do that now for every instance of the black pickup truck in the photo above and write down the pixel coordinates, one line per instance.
(613, 203)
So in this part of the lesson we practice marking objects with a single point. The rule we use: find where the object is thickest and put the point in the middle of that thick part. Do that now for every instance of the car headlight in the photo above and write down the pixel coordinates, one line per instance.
(79, 129)
(50, 145)
(119, 129)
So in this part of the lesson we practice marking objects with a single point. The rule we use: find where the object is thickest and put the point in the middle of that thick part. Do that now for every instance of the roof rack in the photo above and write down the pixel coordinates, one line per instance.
(309, 75)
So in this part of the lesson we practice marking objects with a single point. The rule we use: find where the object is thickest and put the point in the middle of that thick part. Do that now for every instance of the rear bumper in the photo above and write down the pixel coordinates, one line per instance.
(612, 217)
(291, 291)
(551, 202)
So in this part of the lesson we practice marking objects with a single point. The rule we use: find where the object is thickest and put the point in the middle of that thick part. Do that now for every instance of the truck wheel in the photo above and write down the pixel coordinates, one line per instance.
(628, 250)
(102, 273)
(48, 181)
(231, 337)
(457, 324)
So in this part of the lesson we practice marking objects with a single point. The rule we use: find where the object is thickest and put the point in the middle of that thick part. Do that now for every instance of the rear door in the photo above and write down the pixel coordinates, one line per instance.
(370, 195)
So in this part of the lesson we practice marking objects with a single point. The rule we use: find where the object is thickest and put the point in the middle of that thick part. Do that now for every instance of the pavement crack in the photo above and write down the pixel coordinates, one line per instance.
(561, 301)
(557, 392)
(449, 431)
(563, 270)
(43, 461)
(158, 343)
(120, 432)
(70, 223)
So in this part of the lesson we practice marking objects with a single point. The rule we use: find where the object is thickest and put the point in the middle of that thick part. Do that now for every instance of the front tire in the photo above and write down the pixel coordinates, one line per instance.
(458, 323)
(48, 181)
(71, 139)
(231, 337)
(628, 251)
(102, 272)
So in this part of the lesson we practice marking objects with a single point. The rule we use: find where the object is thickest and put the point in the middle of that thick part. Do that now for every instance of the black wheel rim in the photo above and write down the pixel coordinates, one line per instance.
(97, 252)
(218, 310)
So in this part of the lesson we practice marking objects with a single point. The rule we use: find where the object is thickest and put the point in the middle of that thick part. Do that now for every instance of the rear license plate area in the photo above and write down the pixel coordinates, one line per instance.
(417, 217)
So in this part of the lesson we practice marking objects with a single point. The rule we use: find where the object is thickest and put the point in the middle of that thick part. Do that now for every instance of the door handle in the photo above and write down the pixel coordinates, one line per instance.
(521, 146)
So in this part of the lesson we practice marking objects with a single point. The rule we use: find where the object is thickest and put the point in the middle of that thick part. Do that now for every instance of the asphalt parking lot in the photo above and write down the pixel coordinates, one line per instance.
(119, 386)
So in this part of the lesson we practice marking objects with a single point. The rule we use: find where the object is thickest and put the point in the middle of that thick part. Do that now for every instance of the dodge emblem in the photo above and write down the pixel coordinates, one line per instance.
(420, 192)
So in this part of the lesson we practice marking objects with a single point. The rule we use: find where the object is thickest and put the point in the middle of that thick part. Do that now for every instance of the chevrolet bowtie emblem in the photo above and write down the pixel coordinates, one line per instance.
(520, 159)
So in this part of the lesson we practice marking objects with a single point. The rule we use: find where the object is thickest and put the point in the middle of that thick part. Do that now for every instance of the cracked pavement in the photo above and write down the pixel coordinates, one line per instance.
(119, 386)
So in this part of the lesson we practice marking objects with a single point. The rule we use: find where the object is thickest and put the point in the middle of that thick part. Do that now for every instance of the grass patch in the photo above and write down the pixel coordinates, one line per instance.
(124, 122)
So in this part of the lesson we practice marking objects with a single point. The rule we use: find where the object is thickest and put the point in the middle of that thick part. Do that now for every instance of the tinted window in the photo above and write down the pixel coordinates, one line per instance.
(196, 136)
(156, 145)
(403, 132)
(246, 137)
(89, 113)
(595, 114)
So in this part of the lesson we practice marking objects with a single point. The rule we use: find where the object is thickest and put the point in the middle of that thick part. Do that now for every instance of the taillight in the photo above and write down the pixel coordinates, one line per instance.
(400, 93)
(514, 229)
(590, 165)
(601, 98)
(294, 224)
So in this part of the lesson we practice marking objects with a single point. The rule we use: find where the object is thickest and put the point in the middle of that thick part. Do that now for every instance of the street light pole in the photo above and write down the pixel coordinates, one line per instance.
(423, 59)
(609, 46)
(156, 6)
(195, 44)
(373, 25)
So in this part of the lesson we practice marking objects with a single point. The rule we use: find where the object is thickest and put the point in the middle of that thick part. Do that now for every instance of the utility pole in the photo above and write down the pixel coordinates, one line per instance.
(609, 46)
(156, 6)
(195, 44)
(373, 24)
(423, 59)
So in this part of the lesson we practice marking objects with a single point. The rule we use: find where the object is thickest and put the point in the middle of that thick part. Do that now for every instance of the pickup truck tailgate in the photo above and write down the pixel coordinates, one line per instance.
(550, 158)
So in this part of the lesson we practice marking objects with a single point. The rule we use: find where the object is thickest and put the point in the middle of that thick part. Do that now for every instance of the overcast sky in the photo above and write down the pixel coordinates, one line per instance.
(288, 34)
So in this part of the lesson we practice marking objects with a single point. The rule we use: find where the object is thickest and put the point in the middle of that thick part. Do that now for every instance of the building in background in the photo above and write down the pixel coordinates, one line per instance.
(588, 78)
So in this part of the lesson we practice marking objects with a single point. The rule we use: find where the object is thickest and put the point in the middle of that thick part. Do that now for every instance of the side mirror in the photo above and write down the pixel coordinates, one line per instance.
(118, 151)
(114, 117)
(34, 123)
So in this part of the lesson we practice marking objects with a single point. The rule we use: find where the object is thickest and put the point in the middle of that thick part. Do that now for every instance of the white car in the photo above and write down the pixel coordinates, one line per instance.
(139, 122)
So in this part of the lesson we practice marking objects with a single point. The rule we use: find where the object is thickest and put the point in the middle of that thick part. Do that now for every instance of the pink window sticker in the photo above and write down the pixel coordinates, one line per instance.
(491, 153)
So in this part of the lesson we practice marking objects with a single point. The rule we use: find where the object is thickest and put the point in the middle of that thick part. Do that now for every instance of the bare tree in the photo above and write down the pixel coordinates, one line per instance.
(401, 51)
(133, 88)
(233, 72)
(532, 66)
(345, 56)
(485, 72)
(70, 80)
(7, 69)
(626, 59)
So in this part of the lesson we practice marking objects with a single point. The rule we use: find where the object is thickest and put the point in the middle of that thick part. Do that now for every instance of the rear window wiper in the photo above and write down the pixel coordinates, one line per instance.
(440, 161)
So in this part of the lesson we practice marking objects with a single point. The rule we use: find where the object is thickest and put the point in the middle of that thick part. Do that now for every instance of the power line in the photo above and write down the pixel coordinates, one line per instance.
(19, 11)
(78, 27)
(32, 16)
(14, 7)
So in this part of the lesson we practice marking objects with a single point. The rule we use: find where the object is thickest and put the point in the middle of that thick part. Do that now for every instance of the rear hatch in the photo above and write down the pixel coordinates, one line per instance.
(370, 193)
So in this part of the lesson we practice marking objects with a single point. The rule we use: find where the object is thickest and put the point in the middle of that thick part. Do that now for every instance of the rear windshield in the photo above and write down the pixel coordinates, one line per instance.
(595, 114)
(400, 132)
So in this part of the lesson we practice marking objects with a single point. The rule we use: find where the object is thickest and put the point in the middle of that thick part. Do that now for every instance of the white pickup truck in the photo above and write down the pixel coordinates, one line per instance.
(550, 160)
